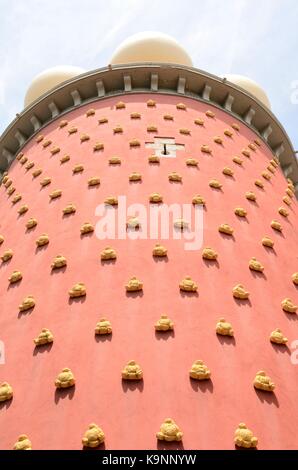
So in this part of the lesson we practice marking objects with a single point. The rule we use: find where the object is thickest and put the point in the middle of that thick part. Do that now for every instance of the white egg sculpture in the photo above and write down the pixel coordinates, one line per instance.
(151, 46)
(49, 79)
(251, 86)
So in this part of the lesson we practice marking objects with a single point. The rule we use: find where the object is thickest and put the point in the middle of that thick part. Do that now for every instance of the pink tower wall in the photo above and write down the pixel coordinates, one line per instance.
(131, 414)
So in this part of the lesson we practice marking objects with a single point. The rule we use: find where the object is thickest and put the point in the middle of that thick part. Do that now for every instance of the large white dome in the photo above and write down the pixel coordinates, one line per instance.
(251, 86)
(150, 46)
(49, 79)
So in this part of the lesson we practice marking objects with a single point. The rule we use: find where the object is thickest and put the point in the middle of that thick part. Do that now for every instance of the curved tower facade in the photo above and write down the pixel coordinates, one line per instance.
(219, 156)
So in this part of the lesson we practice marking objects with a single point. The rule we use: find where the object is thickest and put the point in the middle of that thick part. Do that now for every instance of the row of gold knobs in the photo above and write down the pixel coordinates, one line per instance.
(169, 432)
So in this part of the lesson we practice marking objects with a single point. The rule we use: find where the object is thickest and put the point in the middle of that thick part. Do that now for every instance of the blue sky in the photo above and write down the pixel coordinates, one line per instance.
(256, 38)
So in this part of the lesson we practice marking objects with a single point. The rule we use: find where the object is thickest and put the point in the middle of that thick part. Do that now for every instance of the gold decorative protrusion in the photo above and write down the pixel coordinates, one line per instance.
(199, 371)
(103, 327)
(31, 223)
(134, 285)
(108, 253)
(153, 159)
(63, 123)
(133, 222)
(98, 146)
(6, 391)
(181, 106)
(15, 276)
(295, 278)
(23, 443)
(134, 143)
(11, 190)
(263, 382)
(39, 138)
(59, 262)
(290, 193)
(155, 198)
(239, 292)
(118, 130)
(78, 290)
(244, 437)
(7, 255)
(115, 161)
(210, 114)
(72, 130)
(84, 138)
(93, 437)
(237, 160)
(169, 431)
(188, 285)
(151, 103)
(240, 212)
(132, 371)
(226, 228)
(55, 194)
(37, 172)
(152, 128)
(181, 224)
(135, 176)
(103, 120)
(8, 183)
(168, 117)
(271, 169)
(246, 153)
(69, 209)
(257, 142)
(23, 160)
(90, 112)
(255, 265)
(252, 147)
(120, 105)
(27, 303)
(184, 131)
(215, 184)
(228, 133)
(29, 165)
(235, 126)
(159, 250)
(282, 211)
(44, 337)
(94, 181)
(209, 253)
(135, 116)
(197, 199)
(23, 209)
(218, 140)
(65, 379)
(276, 225)
(259, 184)
(45, 181)
(86, 228)
(206, 149)
(228, 171)
(224, 328)
(277, 337)
(55, 150)
(1, 239)
(199, 122)
(174, 176)
(192, 162)
(287, 200)
(164, 324)
(78, 168)
(267, 241)
(42, 240)
(250, 195)
(266, 175)
(19, 156)
(46, 143)
(111, 201)
(289, 306)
